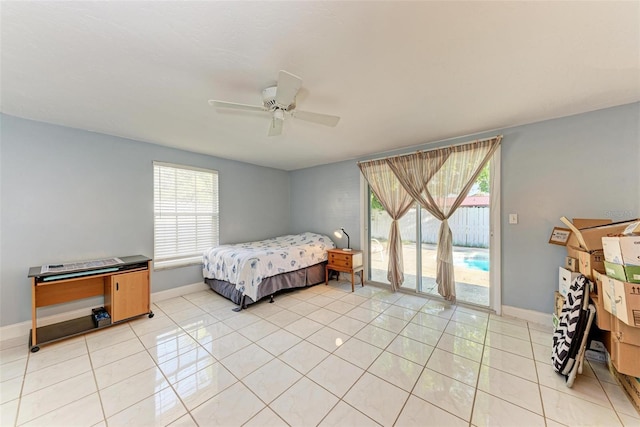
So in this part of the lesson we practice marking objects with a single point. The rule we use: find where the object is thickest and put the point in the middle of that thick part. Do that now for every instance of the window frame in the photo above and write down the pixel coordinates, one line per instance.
(178, 260)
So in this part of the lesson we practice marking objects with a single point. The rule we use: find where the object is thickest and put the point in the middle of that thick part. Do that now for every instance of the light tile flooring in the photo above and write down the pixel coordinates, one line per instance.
(317, 356)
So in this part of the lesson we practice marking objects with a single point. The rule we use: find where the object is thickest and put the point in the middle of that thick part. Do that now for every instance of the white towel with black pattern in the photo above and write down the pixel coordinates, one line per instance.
(567, 337)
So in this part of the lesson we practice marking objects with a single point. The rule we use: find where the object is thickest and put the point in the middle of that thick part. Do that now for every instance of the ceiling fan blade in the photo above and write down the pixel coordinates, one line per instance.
(323, 119)
(276, 126)
(288, 87)
(236, 106)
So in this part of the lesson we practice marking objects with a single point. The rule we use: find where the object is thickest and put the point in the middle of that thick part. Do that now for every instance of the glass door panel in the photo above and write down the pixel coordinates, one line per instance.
(379, 226)
(470, 226)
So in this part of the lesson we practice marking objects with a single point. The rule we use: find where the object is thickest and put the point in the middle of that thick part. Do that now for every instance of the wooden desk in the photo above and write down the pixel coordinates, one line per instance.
(347, 262)
(125, 287)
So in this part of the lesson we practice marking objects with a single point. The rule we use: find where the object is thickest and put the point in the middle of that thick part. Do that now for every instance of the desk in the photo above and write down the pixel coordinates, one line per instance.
(125, 287)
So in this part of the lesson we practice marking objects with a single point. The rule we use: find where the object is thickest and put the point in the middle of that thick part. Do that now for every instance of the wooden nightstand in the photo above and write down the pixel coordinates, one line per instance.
(347, 262)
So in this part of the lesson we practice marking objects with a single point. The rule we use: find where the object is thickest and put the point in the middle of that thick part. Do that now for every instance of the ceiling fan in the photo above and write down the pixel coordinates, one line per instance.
(278, 100)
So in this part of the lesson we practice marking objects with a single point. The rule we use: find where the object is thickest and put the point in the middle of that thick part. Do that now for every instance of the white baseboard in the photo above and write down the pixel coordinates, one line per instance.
(179, 291)
(22, 329)
(528, 315)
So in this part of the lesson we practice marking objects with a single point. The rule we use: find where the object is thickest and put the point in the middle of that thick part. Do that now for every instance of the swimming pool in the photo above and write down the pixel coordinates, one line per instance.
(474, 262)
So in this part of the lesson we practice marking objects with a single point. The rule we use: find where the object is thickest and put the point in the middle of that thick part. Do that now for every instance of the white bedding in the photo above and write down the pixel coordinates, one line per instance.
(246, 264)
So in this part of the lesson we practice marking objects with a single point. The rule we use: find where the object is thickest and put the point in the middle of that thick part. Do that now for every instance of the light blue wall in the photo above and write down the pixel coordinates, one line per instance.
(583, 166)
(68, 194)
(327, 198)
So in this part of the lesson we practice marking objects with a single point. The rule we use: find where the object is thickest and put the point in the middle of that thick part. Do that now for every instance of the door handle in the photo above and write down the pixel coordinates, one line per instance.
(117, 286)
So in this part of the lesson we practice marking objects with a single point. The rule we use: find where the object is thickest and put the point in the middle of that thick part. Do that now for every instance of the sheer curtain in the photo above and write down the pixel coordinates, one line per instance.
(396, 201)
(440, 180)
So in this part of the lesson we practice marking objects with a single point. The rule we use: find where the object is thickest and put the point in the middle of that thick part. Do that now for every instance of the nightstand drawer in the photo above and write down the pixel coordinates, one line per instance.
(340, 260)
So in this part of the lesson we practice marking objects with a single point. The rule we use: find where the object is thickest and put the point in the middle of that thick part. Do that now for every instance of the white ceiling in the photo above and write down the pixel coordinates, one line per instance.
(398, 73)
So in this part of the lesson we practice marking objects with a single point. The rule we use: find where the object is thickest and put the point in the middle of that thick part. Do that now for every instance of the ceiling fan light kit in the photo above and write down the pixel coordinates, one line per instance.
(278, 114)
(269, 100)
(280, 99)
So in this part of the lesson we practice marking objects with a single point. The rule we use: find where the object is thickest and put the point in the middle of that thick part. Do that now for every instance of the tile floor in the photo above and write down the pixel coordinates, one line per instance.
(318, 356)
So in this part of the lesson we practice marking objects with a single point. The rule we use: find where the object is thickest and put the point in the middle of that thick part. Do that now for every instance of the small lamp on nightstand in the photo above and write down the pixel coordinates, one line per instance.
(339, 233)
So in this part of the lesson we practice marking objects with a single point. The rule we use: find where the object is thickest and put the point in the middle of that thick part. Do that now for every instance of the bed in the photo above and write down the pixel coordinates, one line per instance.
(247, 272)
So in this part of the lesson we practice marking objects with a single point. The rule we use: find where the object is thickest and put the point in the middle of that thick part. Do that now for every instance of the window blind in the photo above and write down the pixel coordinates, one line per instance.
(186, 216)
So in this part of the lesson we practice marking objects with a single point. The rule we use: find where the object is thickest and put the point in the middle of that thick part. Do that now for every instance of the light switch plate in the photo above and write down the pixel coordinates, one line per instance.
(513, 218)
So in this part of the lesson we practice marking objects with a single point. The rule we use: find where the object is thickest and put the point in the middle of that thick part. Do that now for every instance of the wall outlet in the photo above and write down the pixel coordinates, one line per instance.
(513, 218)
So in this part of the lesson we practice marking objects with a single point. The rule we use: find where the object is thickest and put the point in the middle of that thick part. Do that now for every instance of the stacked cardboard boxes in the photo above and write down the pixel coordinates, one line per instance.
(585, 242)
(586, 254)
(621, 297)
(594, 245)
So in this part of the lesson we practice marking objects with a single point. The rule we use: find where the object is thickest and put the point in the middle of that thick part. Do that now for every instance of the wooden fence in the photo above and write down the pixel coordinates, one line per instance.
(469, 226)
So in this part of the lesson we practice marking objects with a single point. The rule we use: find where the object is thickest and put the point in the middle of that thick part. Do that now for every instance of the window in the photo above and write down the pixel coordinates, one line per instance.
(185, 214)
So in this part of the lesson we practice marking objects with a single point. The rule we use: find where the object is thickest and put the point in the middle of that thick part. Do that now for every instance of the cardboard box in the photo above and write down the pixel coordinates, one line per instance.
(607, 295)
(630, 246)
(626, 273)
(622, 249)
(625, 357)
(626, 334)
(614, 270)
(611, 249)
(587, 237)
(565, 279)
(587, 241)
(590, 262)
(603, 317)
(598, 278)
(622, 299)
(590, 222)
(629, 296)
(571, 264)
(572, 253)
(633, 273)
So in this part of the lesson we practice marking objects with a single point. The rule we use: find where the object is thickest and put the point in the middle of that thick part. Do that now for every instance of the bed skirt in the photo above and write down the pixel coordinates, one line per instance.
(294, 279)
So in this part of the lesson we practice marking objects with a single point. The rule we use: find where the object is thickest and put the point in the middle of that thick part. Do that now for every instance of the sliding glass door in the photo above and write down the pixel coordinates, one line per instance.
(471, 226)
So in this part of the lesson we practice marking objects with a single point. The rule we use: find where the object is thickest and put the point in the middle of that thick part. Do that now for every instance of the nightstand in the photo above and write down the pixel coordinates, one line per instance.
(347, 262)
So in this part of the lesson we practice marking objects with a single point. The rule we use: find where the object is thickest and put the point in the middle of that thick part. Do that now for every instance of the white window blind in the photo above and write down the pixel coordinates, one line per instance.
(186, 214)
